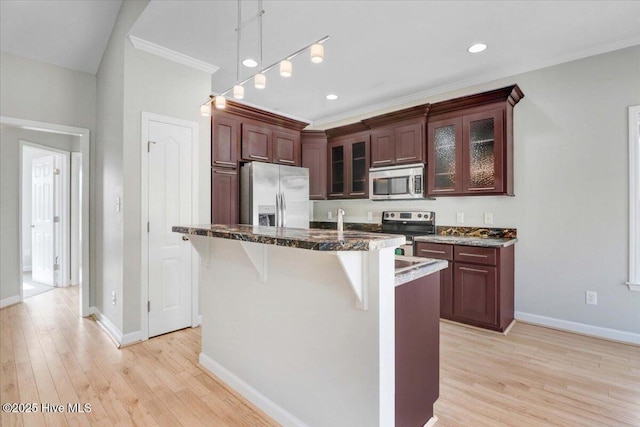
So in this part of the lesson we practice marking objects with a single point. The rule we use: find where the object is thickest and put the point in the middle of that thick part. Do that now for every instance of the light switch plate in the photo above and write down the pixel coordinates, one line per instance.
(329, 214)
(460, 217)
(369, 216)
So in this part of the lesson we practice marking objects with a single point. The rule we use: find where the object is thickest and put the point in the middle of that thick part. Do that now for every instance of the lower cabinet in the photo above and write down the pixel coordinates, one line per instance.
(224, 196)
(477, 287)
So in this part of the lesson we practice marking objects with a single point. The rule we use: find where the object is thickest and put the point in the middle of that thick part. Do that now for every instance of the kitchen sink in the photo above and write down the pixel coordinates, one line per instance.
(404, 263)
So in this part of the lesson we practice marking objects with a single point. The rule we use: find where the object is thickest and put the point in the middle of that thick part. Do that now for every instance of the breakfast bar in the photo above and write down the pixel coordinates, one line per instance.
(306, 324)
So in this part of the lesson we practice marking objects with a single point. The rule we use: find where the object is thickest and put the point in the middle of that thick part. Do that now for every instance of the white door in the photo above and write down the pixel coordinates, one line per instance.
(42, 225)
(169, 167)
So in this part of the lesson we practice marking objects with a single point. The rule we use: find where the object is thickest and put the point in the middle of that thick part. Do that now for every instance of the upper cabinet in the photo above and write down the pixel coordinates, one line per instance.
(348, 163)
(224, 147)
(398, 138)
(314, 157)
(470, 144)
(256, 143)
(286, 147)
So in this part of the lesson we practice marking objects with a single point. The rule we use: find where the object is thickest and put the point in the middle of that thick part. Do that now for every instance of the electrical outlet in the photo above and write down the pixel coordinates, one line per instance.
(369, 216)
(329, 214)
(118, 204)
(113, 298)
(460, 217)
(591, 297)
(488, 218)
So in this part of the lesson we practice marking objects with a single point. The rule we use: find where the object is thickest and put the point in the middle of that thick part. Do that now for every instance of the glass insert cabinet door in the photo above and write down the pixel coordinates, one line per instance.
(337, 161)
(445, 156)
(482, 152)
(359, 169)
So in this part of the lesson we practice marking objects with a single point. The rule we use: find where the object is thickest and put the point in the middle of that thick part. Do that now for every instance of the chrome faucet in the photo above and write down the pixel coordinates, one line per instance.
(340, 219)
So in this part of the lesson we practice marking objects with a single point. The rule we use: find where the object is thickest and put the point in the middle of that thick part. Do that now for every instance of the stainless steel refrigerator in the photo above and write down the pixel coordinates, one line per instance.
(274, 195)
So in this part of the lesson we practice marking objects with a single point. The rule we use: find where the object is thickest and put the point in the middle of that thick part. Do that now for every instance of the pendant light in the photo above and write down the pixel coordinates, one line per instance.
(317, 53)
(238, 92)
(316, 50)
(286, 68)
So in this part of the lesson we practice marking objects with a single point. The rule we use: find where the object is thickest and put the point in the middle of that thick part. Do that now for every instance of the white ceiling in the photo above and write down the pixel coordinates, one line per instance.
(380, 52)
(71, 34)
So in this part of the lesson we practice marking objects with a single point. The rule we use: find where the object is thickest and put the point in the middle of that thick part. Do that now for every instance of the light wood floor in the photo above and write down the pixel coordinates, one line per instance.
(532, 377)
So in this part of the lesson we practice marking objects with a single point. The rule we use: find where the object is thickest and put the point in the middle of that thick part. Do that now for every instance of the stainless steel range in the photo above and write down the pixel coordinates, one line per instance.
(410, 224)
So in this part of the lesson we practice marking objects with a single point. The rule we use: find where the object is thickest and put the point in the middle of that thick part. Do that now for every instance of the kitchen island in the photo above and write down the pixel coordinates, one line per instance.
(311, 326)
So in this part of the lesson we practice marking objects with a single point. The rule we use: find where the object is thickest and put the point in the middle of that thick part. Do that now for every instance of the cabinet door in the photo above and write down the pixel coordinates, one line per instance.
(482, 152)
(314, 157)
(224, 134)
(224, 196)
(286, 148)
(409, 144)
(382, 148)
(337, 168)
(358, 169)
(445, 157)
(446, 292)
(256, 143)
(475, 292)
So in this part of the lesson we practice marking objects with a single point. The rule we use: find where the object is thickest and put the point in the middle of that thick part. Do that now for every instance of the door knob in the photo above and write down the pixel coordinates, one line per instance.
(185, 238)
(33, 226)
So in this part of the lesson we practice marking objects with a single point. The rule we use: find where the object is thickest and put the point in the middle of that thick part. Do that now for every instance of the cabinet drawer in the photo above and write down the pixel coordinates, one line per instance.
(434, 250)
(475, 255)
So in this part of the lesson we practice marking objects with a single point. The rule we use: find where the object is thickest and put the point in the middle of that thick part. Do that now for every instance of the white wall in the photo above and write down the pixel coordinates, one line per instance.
(571, 186)
(33, 90)
(130, 82)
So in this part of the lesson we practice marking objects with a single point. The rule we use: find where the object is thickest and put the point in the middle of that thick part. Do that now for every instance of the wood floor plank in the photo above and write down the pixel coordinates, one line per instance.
(534, 376)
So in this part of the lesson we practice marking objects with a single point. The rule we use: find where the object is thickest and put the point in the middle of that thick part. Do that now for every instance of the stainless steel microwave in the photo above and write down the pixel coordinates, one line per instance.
(397, 182)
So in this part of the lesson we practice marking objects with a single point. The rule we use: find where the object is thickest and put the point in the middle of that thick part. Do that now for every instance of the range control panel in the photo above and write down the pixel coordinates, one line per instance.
(400, 216)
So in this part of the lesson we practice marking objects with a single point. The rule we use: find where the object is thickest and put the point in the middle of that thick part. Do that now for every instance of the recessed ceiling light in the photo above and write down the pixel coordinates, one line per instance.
(478, 47)
(332, 97)
(249, 62)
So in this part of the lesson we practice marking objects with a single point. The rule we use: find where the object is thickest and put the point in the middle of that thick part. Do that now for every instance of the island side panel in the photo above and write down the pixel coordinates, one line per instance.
(298, 339)
(417, 350)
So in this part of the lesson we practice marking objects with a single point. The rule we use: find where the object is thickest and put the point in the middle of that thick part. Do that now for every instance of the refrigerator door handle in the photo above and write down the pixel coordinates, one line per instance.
(284, 210)
(278, 209)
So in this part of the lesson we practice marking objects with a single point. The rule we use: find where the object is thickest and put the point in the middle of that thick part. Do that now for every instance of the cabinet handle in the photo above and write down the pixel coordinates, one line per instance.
(432, 251)
(224, 172)
(473, 255)
(481, 188)
(253, 156)
(405, 158)
(473, 269)
(381, 161)
(220, 162)
(291, 162)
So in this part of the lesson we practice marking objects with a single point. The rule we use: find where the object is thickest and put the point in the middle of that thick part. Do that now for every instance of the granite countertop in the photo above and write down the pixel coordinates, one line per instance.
(431, 266)
(486, 242)
(311, 239)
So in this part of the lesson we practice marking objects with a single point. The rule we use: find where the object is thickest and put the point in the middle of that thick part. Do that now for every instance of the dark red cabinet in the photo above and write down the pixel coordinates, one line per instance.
(256, 143)
(224, 147)
(478, 286)
(348, 167)
(398, 145)
(224, 196)
(314, 157)
(475, 292)
(286, 147)
(470, 144)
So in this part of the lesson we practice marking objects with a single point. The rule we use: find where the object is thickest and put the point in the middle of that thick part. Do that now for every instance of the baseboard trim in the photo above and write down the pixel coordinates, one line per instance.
(10, 301)
(112, 330)
(432, 421)
(580, 328)
(251, 394)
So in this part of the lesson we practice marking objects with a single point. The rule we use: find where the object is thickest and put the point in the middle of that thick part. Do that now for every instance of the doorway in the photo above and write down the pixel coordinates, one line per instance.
(46, 214)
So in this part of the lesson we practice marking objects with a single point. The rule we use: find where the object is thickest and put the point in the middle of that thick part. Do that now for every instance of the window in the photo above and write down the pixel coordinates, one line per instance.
(634, 198)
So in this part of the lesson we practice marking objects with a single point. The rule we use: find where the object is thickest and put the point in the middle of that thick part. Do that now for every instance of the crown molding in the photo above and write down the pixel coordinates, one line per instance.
(172, 55)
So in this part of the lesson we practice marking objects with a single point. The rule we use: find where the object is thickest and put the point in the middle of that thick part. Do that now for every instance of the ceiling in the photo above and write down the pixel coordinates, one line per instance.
(71, 34)
(380, 53)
